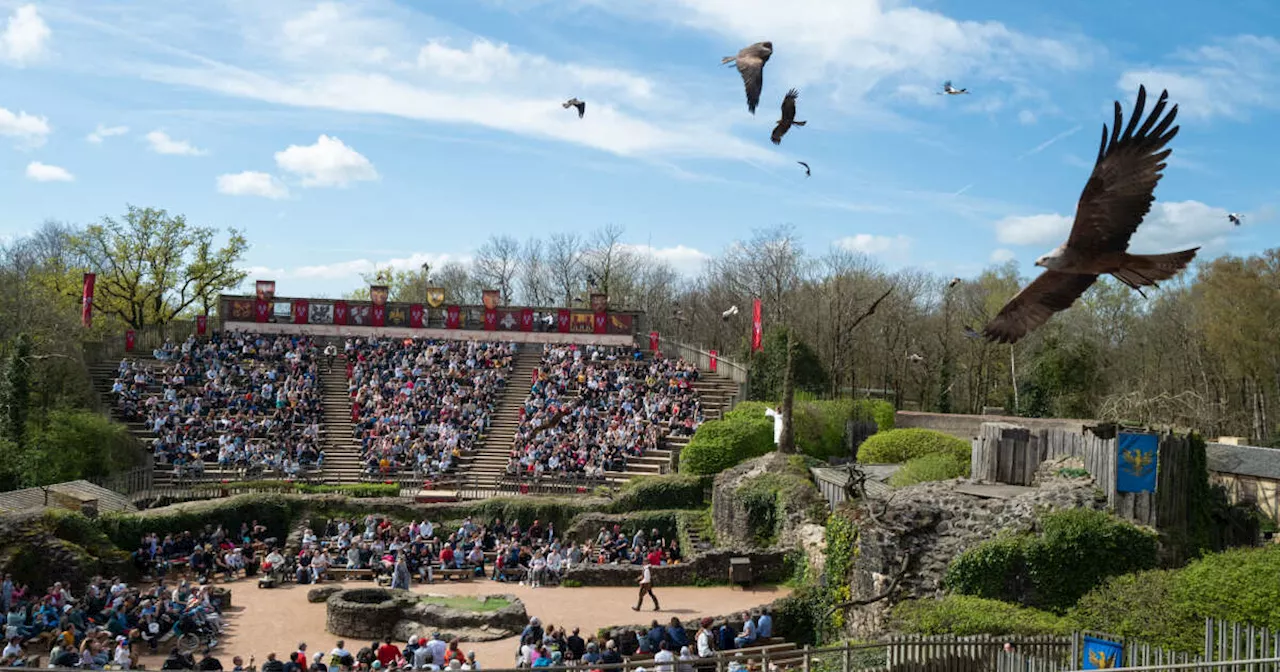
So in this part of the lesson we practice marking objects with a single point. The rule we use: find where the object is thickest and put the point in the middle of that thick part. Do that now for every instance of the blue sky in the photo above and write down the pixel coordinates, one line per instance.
(341, 136)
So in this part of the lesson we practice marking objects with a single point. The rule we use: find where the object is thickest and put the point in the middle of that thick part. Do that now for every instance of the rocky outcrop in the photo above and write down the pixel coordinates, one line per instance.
(924, 527)
(737, 526)
(373, 613)
(39, 548)
(710, 567)
(322, 593)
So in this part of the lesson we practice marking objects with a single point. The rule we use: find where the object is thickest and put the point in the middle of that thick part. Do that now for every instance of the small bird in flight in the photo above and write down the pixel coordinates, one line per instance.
(970, 332)
(951, 90)
(580, 104)
(915, 358)
(1235, 218)
(733, 310)
(953, 283)
(750, 62)
(788, 117)
(806, 168)
(1113, 204)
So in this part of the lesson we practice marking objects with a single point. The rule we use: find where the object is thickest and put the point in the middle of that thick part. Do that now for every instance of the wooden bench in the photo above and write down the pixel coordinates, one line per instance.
(344, 574)
(458, 574)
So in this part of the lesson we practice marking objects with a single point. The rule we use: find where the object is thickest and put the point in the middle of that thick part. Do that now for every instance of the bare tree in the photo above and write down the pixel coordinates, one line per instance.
(610, 264)
(767, 266)
(496, 264)
(564, 264)
(535, 280)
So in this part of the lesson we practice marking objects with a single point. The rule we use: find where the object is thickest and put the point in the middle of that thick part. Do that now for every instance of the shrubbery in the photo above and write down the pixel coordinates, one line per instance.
(1144, 606)
(1076, 550)
(721, 444)
(936, 467)
(820, 424)
(670, 491)
(275, 512)
(963, 615)
(900, 445)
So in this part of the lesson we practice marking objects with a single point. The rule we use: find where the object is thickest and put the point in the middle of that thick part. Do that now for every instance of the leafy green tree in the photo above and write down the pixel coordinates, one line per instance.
(768, 368)
(153, 266)
(17, 391)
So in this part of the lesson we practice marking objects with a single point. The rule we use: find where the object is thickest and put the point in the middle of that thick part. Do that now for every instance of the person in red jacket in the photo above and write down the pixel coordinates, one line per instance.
(388, 653)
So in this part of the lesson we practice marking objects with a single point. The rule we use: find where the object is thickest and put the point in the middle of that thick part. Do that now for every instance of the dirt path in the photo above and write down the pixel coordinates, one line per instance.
(261, 621)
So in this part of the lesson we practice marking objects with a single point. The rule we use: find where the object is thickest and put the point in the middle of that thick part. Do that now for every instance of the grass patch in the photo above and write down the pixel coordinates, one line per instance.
(467, 602)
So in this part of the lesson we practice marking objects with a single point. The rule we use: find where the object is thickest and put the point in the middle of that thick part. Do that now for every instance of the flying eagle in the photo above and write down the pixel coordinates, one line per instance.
(951, 90)
(970, 332)
(915, 358)
(580, 104)
(733, 310)
(788, 117)
(953, 283)
(1116, 198)
(750, 62)
(806, 168)
(555, 418)
(1235, 218)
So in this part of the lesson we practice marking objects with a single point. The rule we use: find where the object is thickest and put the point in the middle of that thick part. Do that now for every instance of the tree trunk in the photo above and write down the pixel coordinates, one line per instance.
(788, 443)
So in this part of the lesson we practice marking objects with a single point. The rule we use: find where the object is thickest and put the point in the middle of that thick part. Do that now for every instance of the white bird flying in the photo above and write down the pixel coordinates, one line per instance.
(1235, 218)
(951, 90)
(915, 358)
(733, 310)
(1113, 204)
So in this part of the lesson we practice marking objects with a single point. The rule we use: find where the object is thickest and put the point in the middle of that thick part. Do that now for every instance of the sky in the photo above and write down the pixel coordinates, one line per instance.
(344, 136)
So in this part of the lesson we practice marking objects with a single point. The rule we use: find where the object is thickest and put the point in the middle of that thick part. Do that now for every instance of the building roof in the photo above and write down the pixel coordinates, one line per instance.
(1243, 460)
(29, 499)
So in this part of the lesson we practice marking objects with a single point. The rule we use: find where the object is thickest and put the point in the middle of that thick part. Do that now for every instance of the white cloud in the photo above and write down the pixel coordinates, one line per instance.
(327, 163)
(1033, 230)
(161, 143)
(1170, 226)
(252, 183)
(1026, 117)
(103, 132)
(335, 31)
(343, 270)
(25, 36)
(1225, 78)
(891, 247)
(43, 172)
(30, 130)
(1001, 255)
(684, 260)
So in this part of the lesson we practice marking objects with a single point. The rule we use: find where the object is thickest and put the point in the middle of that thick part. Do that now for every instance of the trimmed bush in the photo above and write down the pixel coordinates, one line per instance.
(670, 491)
(722, 444)
(275, 512)
(1075, 552)
(820, 424)
(963, 616)
(936, 467)
(1142, 606)
(900, 445)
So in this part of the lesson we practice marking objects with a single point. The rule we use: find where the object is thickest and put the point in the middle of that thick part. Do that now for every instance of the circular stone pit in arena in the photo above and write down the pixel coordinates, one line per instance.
(375, 613)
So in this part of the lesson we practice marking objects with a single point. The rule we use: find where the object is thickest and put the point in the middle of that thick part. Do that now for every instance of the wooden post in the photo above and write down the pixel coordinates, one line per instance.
(845, 663)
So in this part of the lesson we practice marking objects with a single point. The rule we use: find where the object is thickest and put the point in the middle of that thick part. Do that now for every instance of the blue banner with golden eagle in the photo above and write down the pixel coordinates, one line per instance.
(1101, 654)
(1136, 462)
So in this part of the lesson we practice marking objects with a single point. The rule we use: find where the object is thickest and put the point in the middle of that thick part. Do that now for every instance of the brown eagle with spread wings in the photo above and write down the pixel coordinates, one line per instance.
(1116, 198)
(788, 117)
(750, 62)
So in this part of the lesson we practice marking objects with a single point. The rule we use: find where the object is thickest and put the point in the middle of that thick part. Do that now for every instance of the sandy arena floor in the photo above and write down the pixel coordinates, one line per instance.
(261, 621)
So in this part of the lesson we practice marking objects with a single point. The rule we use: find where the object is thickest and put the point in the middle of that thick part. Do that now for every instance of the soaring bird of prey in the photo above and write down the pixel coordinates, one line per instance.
(788, 117)
(580, 104)
(1116, 198)
(750, 62)
(806, 168)
(1235, 218)
(915, 358)
(953, 283)
(970, 332)
(951, 90)
(733, 310)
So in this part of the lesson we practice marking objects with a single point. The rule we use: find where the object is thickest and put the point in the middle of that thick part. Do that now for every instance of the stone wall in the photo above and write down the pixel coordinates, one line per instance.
(712, 566)
(933, 523)
(374, 613)
(735, 526)
(967, 426)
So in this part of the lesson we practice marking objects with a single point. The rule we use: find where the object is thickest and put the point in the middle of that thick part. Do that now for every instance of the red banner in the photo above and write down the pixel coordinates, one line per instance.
(452, 317)
(378, 316)
(415, 316)
(526, 319)
(601, 323)
(653, 341)
(339, 312)
(490, 319)
(757, 327)
(86, 306)
(300, 311)
(261, 310)
(562, 320)
(621, 324)
(130, 338)
(202, 324)
(715, 359)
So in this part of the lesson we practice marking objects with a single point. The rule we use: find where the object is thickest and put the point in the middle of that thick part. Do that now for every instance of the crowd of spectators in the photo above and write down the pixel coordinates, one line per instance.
(247, 402)
(416, 404)
(591, 408)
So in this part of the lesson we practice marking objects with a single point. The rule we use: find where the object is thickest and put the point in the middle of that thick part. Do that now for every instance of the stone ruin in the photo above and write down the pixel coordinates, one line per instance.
(375, 613)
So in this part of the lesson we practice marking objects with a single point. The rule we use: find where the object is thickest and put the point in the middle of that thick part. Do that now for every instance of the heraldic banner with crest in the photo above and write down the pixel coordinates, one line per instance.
(435, 296)
(1101, 654)
(1137, 461)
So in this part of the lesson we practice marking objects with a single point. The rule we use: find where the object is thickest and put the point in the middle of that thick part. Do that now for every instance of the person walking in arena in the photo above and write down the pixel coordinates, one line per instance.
(646, 587)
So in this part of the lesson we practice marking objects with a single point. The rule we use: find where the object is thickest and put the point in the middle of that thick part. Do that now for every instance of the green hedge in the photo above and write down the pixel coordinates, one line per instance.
(936, 467)
(1144, 606)
(1076, 551)
(820, 425)
(670, 491)
(276, 512)
(963, 616)
(900, 445)
(358, 490)
(721, 444)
